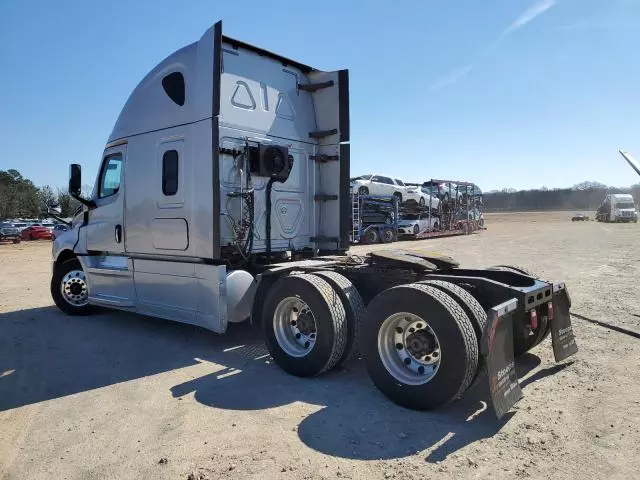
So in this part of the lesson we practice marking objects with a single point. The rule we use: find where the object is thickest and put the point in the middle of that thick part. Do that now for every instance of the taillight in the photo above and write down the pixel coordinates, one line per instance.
(534, 319)
(550, 311)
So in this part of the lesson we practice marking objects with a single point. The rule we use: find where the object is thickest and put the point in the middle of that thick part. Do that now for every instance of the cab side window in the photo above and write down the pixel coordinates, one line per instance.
(110, 176)
(170, 172)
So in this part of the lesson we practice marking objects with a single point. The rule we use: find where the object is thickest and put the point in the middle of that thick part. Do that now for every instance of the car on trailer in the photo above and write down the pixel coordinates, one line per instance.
(416, 195)
(378, 185)
(219, 228)
(579, 217)
(412, 224)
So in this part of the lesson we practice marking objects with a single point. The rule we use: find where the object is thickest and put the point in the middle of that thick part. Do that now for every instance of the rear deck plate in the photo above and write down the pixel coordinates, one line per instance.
(400, 259)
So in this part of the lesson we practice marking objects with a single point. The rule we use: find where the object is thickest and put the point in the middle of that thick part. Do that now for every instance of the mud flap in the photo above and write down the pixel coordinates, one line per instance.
(497, 347)
(564, 343)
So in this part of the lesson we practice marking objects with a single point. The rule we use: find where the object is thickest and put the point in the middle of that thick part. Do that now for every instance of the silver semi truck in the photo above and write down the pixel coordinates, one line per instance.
(223, 196)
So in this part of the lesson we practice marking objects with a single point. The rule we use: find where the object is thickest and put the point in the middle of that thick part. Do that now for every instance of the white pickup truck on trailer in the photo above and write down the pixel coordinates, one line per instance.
(223, 196)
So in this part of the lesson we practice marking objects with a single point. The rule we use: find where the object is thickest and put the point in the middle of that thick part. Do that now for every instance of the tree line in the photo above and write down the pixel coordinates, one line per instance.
(584, 196)
(20, 198)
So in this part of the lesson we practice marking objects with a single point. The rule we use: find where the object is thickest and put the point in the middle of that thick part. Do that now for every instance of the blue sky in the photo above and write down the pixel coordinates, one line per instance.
(505, 93)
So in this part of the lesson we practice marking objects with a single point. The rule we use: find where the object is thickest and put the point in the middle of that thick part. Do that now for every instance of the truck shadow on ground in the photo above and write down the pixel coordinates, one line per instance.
(45, 355)
(354, 419)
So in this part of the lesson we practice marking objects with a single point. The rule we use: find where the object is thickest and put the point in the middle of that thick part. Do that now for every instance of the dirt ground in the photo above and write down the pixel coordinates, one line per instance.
(120, 396)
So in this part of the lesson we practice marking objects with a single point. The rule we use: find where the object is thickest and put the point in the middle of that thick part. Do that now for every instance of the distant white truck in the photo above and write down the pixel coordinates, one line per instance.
(617, 207)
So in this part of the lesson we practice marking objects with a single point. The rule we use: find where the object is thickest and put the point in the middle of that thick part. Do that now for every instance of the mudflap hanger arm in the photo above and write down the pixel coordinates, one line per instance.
(497, 347)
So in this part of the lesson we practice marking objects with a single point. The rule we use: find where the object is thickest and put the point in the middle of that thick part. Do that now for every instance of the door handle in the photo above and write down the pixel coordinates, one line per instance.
(118, 233)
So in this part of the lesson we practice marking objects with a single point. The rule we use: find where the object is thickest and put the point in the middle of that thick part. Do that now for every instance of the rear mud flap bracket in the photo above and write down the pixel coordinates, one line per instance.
(497, 347)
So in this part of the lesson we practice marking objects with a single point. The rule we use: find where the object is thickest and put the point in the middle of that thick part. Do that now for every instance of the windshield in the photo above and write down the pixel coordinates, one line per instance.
(362, 177)
(625, 205)
(399, 182)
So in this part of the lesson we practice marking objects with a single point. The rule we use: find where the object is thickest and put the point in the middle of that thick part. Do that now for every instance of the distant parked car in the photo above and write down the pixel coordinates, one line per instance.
(579, 217)
(58, 230)
(378, 185)
(36, 233)
(8, 232)
(21, 226)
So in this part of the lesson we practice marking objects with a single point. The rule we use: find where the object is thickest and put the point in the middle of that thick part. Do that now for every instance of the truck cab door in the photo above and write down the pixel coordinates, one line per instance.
(109, 271)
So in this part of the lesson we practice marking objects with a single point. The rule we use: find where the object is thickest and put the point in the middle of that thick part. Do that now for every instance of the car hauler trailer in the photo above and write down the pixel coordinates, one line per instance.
(223, 195)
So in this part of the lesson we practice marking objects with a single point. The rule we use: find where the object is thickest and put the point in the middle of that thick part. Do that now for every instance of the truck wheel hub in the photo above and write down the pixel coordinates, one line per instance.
(294, 327)
(74, 288)
(409, 348)
(420, 343)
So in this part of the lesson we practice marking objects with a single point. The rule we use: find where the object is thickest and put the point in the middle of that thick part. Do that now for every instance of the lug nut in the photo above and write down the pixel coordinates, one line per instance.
(419, 325)
(427, 358)
(435, 354)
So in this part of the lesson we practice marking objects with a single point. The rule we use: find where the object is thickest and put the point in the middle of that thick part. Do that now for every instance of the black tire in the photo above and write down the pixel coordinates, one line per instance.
(445, 198)
(353, 306)
(416, 229)
(363, 191)
(371, 236)
(472, 308)
(59, 272)
(387, 235)
(330, 321)
(455, 335)
(16, 241)
(398, 196)
(422, 202)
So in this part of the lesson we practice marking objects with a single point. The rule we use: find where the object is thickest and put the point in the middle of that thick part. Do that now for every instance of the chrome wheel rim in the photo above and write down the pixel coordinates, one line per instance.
(295, 327)
(409, 349)
(74, 288)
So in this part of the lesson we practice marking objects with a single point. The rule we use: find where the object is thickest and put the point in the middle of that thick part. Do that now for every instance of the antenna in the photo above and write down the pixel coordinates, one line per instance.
(631, 161)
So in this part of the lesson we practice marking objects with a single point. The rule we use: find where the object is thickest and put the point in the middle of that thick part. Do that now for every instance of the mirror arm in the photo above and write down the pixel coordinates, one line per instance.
(90, 204)
(60, 219)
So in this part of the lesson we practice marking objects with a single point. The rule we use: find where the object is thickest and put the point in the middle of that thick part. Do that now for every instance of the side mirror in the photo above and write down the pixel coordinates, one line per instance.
(75, 180)
(75, 185)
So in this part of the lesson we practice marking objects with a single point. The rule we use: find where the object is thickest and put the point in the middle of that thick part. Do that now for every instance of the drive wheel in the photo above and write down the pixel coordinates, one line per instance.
(353, 306)
(416, 229)
(69, 288)
(363, 191)
(304, 324)
(471, 307)
(423, 356)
